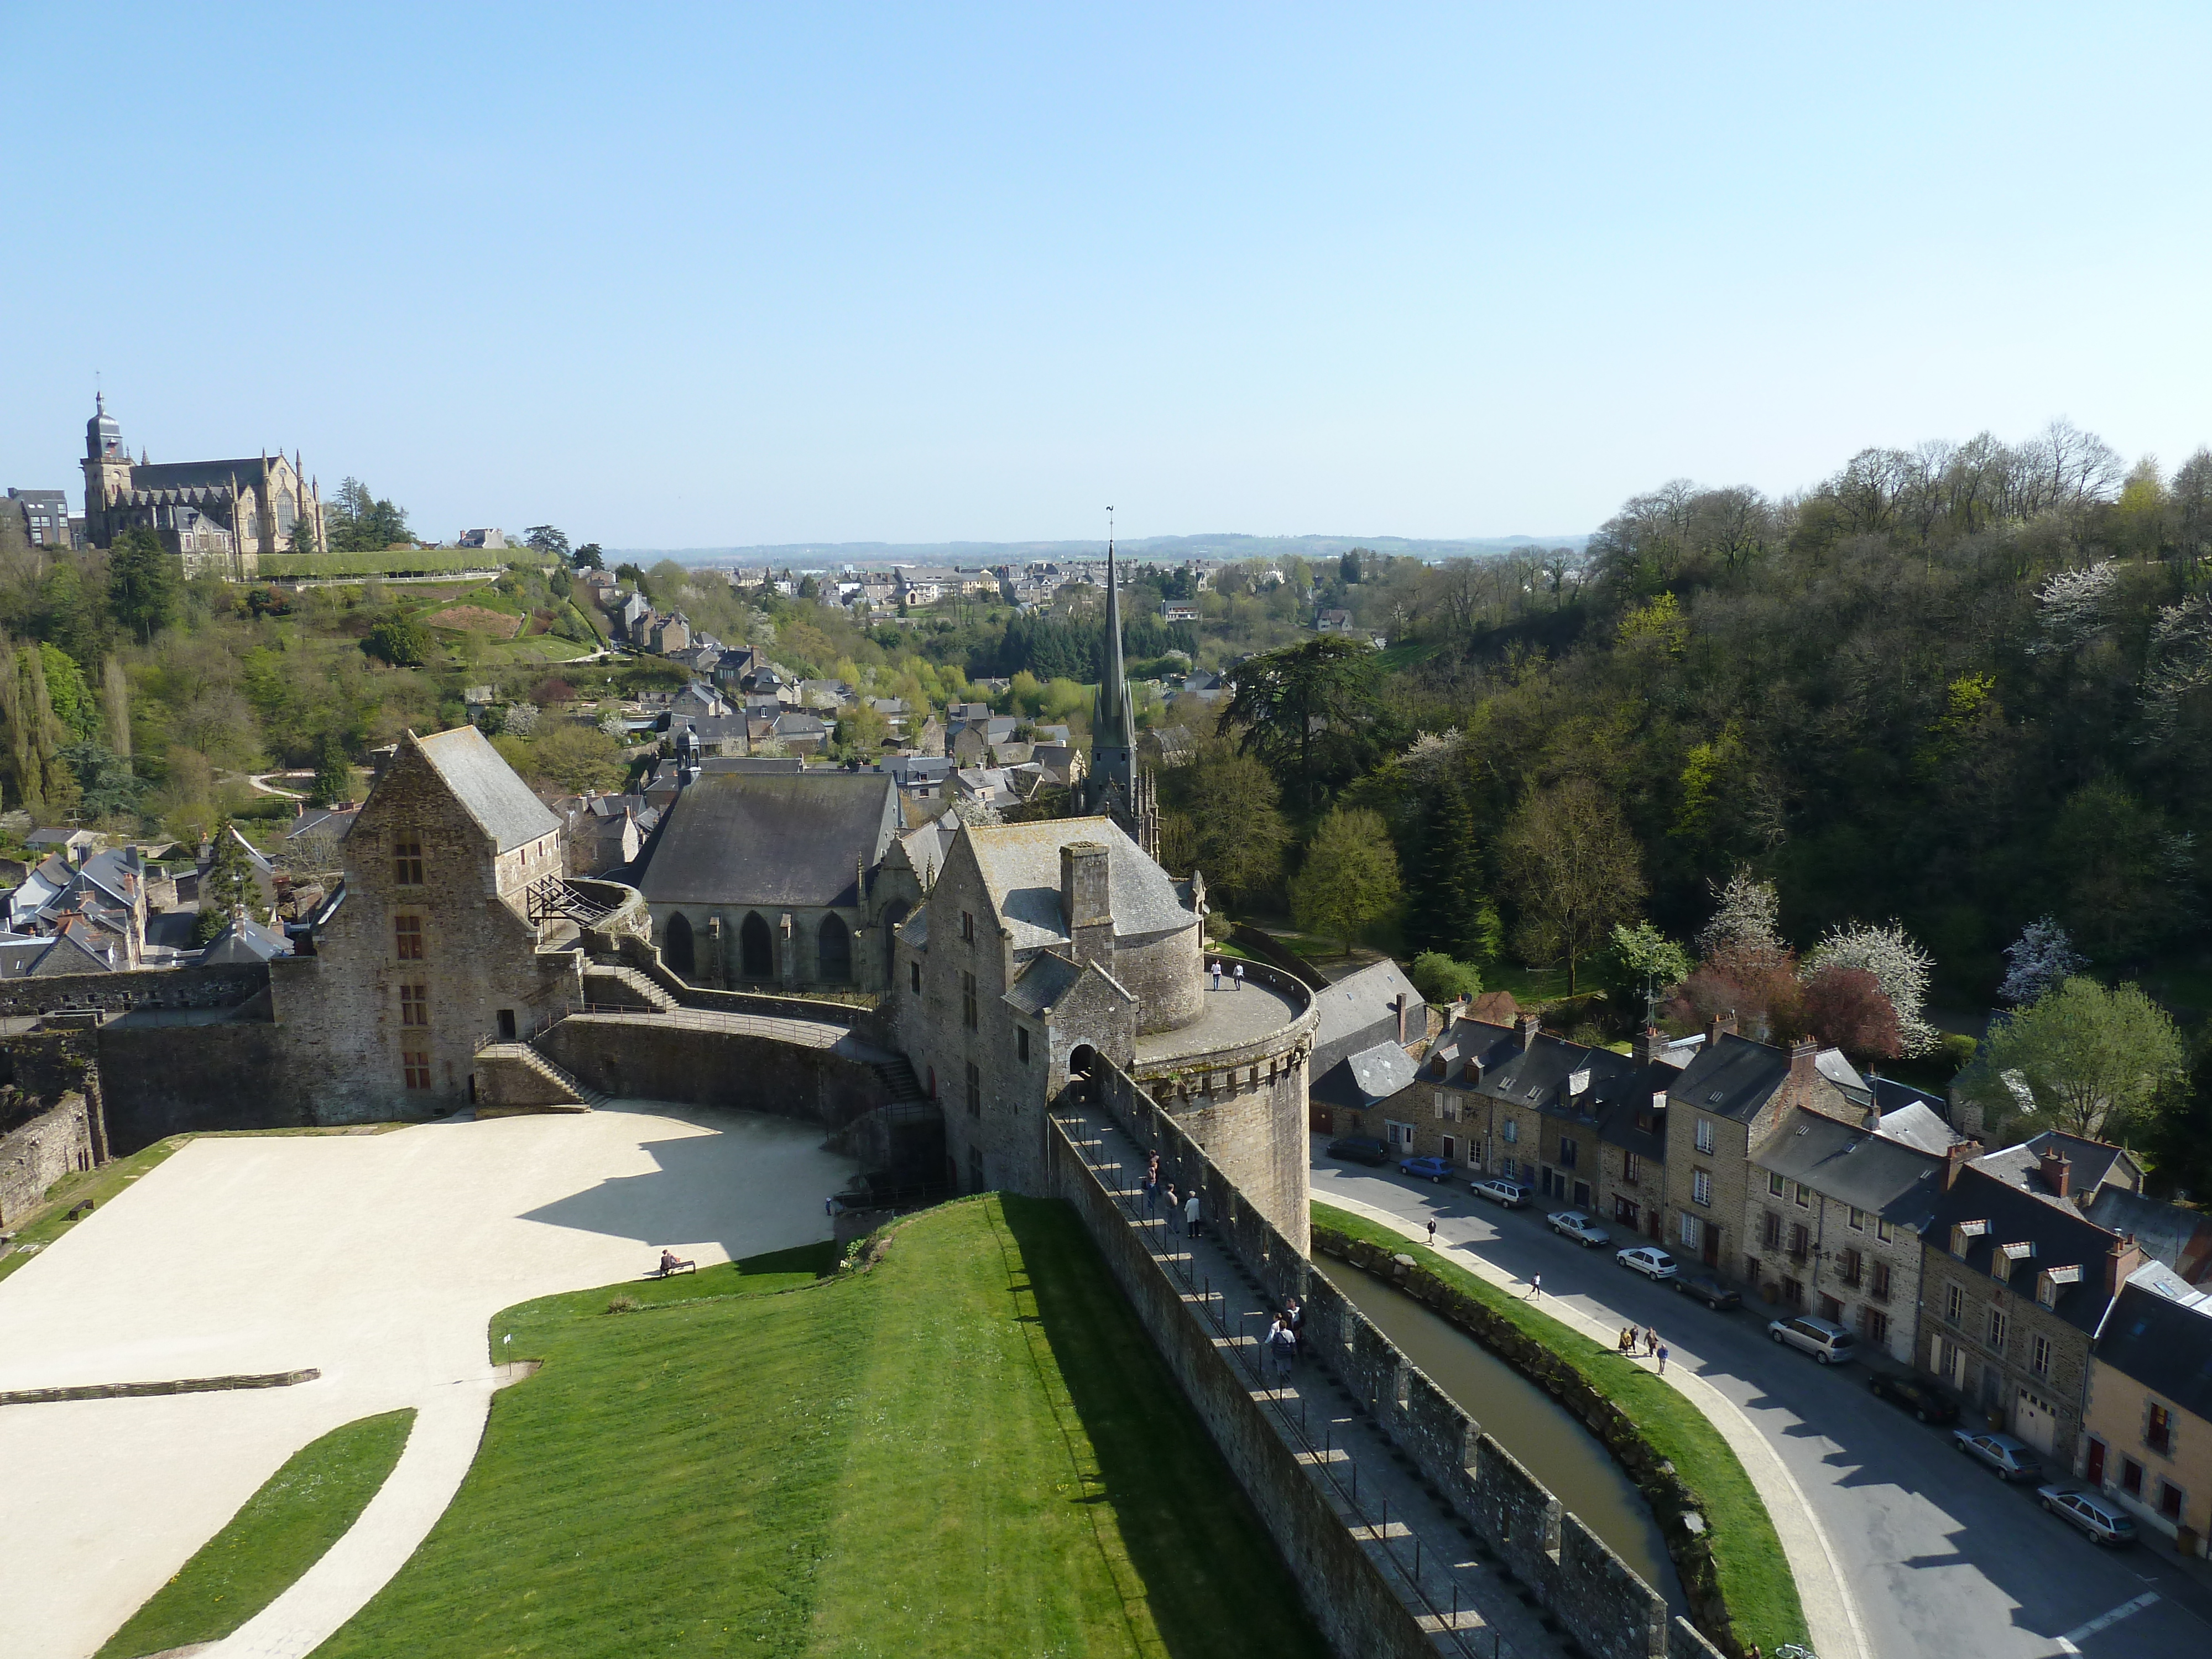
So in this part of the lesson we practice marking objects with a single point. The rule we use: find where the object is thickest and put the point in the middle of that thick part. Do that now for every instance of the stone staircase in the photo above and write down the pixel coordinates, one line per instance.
(897, 1074)
(517, 1081)
(618, 985)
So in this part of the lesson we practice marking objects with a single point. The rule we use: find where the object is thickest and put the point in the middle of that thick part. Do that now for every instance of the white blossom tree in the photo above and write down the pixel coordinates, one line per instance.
(2042, 956)
(1745, 912)
(519, 720)
(1898, 965)
(2071, 605)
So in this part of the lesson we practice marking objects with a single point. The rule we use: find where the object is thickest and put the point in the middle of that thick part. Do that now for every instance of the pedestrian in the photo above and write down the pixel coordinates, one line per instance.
(1432, 1232)
(1535, 1285)
(1651, 1341)
(1175, 1212)
(1635, 1340)
(1151, 1193)
(1620, 1343)
(1662, 1359)
(1217, 973)
(1270, 1347)
(1286, 1348)
(1190, 1211)
(1240, 976)
(1294, 1316)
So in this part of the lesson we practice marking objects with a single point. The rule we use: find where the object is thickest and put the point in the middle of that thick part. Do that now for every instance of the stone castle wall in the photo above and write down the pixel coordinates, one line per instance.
(55, 1140)
(625, 1056)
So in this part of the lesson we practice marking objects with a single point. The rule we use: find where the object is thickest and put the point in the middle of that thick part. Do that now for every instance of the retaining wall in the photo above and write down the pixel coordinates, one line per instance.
(635, 1056)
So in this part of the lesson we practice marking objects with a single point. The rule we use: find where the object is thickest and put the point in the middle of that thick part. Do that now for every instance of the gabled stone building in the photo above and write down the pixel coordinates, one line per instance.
(218, 515)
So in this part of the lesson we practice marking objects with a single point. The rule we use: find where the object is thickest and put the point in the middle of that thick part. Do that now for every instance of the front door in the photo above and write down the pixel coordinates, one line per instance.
(1713, 1231)
(507, 1025)
(2094, 1471)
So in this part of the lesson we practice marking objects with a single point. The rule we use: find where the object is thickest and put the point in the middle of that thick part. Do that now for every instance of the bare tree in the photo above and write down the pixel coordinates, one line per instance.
(1574, 870)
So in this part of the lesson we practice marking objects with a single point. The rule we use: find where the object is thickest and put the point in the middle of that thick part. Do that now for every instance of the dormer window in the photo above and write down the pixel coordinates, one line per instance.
(2052, 1280)
(1963, 1235)
(2006, 1257)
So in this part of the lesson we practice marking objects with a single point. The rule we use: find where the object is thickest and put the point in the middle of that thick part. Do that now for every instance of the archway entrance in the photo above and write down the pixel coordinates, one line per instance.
(833, 952)
(755, 951)
(676, 946)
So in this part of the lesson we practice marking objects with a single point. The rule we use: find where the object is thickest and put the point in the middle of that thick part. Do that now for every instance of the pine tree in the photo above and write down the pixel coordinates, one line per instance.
(333, 774)
(228, 886)
(1461, 920)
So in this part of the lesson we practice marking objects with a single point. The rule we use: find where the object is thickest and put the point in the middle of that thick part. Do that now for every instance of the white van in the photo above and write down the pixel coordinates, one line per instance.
(1829, 1344)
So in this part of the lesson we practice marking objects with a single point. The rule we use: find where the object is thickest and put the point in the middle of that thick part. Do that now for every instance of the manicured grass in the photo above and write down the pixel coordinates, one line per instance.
(397, 562)
(283, 1529)
(969, 1448)
(1753, 1574)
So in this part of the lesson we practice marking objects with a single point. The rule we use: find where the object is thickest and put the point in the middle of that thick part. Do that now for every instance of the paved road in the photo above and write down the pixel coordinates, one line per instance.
(1945, 1560)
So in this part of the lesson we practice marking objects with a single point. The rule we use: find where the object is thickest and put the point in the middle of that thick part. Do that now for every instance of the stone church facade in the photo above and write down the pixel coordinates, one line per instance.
(215, 515)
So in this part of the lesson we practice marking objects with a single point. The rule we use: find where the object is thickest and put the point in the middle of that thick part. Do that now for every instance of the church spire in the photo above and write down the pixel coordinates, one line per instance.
(1113, 724)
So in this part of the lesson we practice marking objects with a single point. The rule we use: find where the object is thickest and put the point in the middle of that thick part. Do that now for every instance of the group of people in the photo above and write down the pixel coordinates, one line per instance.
(1279, 1347)
(1237, 982)
(1634, 1340)
(1183, 1207)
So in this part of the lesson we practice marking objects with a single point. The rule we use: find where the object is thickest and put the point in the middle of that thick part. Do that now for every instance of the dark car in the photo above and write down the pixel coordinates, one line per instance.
(1426, 1169)
(1709, 1291)
(1923, 1400)
(1359, 1149)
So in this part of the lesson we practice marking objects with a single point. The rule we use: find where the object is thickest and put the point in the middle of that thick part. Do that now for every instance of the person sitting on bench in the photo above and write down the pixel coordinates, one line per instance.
(669, 1263)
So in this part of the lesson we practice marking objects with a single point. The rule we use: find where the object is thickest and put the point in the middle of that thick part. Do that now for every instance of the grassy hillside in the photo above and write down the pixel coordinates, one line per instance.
(969, 1448)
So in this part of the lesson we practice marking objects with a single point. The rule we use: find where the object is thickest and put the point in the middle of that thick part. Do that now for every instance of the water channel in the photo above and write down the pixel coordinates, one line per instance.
(1550, 1443)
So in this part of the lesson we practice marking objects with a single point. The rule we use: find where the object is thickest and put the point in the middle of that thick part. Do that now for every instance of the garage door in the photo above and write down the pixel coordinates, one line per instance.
(2035, 1421)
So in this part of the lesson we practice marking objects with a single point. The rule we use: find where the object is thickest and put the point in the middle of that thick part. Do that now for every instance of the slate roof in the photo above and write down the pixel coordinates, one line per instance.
(2179, 1238)
(2163, 1344)
(486, 787)
(782, 838)
(1356, 1012)
(245, 940)
(1020, 866)
(1918, 1124)
(1044, 983)
(1732, 1079)
(2094, 1165)
(2061, 1235)
(1856, 1166)
(1366, 1075)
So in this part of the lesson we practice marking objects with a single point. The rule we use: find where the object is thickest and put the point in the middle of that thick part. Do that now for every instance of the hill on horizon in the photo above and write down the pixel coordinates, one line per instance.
(1219, 545)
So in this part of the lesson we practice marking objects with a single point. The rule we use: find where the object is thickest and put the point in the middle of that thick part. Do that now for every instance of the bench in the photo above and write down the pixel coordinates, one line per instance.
(680, 1268)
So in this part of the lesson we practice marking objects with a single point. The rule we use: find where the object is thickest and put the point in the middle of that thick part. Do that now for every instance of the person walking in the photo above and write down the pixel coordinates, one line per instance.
(1286, 1349)
(1432, 1232)
(1240, 976)
(1662, 1359)
(1651, 1341)
(1217, 973)
(1294, 1316)
(1535, 1286)
(1175, 1212)
(1270, 1349)
(1190, 1211)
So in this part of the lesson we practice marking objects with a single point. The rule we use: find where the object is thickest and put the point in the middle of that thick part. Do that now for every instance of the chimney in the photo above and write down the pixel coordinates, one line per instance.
(1804, 1069)
(2057, 1174)
(1531, 1025)
(1956, 1157)
(1717, 1027)
(1084, 902)
(1648, 1044)
(1399, 1003)
(2122, 1258)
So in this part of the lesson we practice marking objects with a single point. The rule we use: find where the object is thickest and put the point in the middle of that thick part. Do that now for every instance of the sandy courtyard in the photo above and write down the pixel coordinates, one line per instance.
(379, 1258)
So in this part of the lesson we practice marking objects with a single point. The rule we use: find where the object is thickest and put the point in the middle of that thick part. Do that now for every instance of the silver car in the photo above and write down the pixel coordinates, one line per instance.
(1829, 1344)
(2103, 1520)
(1573, 1223)
(1498, 1190)
(1647, 1259)
(2010, 1459)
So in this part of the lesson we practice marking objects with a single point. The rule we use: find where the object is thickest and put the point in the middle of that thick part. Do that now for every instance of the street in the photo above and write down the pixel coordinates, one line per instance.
(1943, 1558)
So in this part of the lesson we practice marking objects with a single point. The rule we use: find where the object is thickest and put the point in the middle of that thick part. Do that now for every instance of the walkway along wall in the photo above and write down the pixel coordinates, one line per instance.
(1592, 1595)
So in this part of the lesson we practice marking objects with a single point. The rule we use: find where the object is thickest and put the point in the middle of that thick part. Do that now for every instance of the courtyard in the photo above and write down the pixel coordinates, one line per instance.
(378, 1260)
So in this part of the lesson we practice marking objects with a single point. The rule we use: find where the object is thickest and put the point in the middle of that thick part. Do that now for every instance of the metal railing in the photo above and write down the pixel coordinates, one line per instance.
(556, 896)
(1175, 1266)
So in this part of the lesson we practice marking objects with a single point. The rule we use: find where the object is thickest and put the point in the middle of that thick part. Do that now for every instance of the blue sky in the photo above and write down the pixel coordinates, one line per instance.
(678, 277)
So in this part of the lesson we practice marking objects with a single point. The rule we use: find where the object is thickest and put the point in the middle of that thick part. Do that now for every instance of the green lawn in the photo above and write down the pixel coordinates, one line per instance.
(1753, 1574)
(970, 1449)
(398, 561)
(282, 1530)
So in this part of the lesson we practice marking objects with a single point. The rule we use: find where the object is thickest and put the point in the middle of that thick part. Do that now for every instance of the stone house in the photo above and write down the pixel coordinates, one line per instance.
(1833, 1222)
(2146, 1423)
(670, 633)
(433, 953)
(1368, 1017)
(2014, 1284)
(786, 879)
(1728, 1099)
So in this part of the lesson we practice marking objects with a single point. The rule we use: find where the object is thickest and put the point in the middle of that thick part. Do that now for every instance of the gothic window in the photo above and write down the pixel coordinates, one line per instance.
(755, 951)
(415, 1067)
(414, 1004)
(407, 937)
(407, 858)
(834, 961)
(676, 946)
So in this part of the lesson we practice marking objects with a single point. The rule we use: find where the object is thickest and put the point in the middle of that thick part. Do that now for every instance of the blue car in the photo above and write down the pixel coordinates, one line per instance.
(1429, 1169)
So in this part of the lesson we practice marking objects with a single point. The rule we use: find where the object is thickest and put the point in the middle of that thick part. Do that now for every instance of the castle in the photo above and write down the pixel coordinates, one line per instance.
(215, 515)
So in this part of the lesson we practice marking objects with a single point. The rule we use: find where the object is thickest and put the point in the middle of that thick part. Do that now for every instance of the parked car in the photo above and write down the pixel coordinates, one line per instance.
(2098, 1515)
(1647, 1259)
(1709, 1291)
(1427, 1168)
(2010, 1458)
(1498, 1190)
(1359, 1149)
(1923, 1400)
(1829, 1344)
(1573, 1223)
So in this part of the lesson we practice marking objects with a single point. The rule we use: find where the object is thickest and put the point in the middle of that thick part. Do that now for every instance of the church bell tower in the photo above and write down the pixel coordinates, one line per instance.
(106, 471)
(1116, 786)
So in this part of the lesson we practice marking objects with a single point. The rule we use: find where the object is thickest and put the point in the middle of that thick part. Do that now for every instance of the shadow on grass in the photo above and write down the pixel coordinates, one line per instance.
(1206, 1562)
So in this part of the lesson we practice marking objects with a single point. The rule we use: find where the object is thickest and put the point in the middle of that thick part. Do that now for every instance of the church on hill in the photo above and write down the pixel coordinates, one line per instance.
(215, 515)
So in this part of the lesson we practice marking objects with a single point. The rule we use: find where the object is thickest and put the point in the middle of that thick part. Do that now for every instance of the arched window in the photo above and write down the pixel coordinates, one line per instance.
(755, 951)
(676, 946)
(834, 958)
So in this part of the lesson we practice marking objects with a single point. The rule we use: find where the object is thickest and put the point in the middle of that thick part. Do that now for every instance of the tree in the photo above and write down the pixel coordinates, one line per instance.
(1291, 703)
(1439, 978)
(1573, 870)
(1753, 983)
(1745, 911)
(303, 534)
(1648, 959)
(144, 581)
(578, 757)
(2039, 958)
(1845, 1008)
(1455, 914)
(115, 706)
(400, 640)
(547, 539)
(588, 557)
(357, 521)
(106, 786)
(1239, 833)
(2086, 1059)
(2177, 1137)
(333, 774)
(631, 574)
(1350, 877)
(1899, 966)
(227, 886)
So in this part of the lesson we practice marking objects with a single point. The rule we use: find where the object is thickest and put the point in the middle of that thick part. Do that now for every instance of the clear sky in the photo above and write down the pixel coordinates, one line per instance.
(692, 276)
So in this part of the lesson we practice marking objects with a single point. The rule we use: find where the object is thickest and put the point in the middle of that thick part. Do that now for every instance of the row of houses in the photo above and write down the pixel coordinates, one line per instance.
(2026, 1281)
